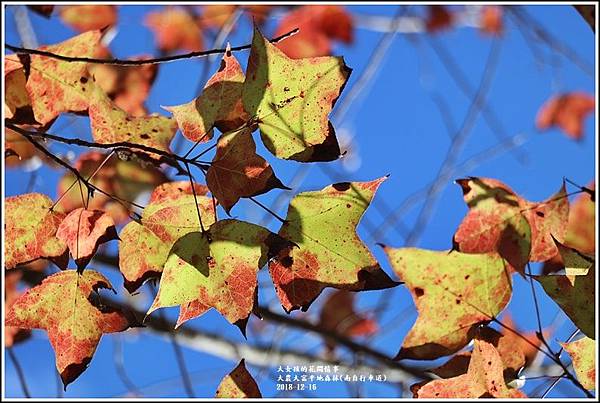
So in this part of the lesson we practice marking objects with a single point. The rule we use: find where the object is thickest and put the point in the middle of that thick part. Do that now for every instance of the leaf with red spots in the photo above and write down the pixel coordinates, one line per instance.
(291, 100)
(88, 17)
(30, 229)
(66, 305)
(170, 214)
(319, 25)
(217, 269)
(57, 86)
(237, 171)
(576, 296)
(338, 315)
(454, 292)
(490, 20)
(327, 252)
(484, 378)
(238, 384)
(219, 105)
(13, 335)
(84, 231)
(174, 190)
(174, 28)
(124, 179)
(548, 219)
(111, 124)
(567, 111)
(583, 355)
(438, 19)
(499, 220)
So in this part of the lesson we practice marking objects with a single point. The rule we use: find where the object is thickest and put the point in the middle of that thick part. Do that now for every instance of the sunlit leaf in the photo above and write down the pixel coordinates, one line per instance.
(484, 378)
(67, 307)
(291, 100)
(57, 86)
(454, 292)
(84, 231)
(217, 269)
(328, 252)
(583, 354)
(30, 227)
(219, 105)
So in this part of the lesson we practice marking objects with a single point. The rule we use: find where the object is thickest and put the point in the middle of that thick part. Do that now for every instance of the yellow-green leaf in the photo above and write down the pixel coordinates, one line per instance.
(583, 354)
(453, 292)
(291, 100)
(30, 229)
(328, 252)
(216, 269)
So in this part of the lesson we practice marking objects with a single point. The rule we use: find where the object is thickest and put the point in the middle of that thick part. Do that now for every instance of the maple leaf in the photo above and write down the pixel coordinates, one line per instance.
(583, 355)
(217, 269)
(83, 231)
(127, 86)
(291, 100)
(516, 350)
(581, 229)
(174, 28)
(453, 292)
(499, 220)
(567, 111)
(170, 214)
(484, 378)
(219, 104)
(174, 190)
(575, 295)
(111, 124)
(66, 306)
(328, 252)
(490, 20)
(89, 17)
(238, 384)
(124, 179)
(438, 19)
(338, 315)
(17, 105)
(30, 229)
(319, 25)
(13, 335)
(55, 86)
(237, 171)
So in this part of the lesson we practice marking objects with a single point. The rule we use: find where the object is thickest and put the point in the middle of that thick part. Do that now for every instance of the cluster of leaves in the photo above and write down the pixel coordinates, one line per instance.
(203, 262)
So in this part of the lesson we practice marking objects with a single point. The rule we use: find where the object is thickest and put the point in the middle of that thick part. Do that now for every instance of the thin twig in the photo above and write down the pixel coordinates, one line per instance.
(122, 62)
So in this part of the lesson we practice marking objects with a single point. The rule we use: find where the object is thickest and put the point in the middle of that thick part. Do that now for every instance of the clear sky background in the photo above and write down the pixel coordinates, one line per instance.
(397, 129)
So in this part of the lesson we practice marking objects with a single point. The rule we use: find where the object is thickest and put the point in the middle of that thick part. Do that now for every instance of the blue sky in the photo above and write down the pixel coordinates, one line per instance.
(397, 129)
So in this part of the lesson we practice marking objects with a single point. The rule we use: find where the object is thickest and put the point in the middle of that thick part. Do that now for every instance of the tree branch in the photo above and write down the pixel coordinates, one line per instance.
(123, 62)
